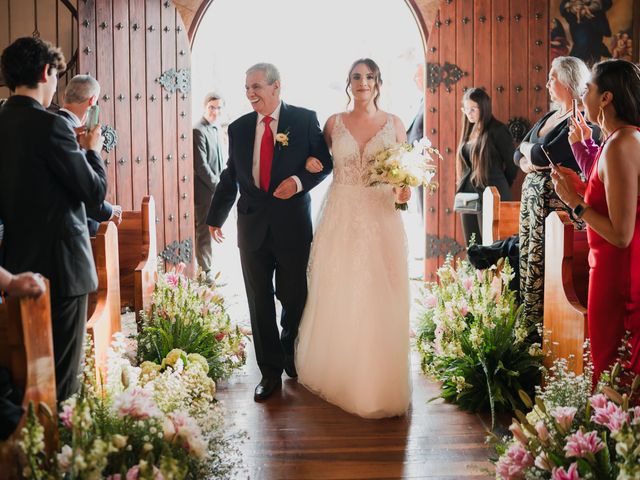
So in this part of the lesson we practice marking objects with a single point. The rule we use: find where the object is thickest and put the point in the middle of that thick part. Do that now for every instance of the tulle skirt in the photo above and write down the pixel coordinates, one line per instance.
(353, 344)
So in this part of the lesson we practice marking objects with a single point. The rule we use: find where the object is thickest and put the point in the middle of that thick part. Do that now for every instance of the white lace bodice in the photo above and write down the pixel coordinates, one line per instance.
(351, 162)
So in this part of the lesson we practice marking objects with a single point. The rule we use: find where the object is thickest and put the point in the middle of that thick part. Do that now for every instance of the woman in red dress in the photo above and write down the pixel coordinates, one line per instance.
(610, 206)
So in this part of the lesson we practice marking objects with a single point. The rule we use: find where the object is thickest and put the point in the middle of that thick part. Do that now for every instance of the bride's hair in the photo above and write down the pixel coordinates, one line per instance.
(371, 65)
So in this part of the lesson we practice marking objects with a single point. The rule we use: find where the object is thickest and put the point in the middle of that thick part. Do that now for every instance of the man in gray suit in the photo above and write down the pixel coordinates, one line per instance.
(208, 163)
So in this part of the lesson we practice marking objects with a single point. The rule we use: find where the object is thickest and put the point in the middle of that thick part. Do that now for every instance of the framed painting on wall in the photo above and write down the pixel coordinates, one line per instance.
(594, 29)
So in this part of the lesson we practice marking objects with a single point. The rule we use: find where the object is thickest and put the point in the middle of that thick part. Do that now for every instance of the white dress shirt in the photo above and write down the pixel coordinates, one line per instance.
(257, 142)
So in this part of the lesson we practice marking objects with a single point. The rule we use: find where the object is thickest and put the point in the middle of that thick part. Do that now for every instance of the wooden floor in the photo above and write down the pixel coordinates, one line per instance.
(295, 435)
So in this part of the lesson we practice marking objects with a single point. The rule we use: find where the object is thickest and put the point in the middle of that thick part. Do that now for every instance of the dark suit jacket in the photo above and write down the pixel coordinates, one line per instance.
(207, 163)
(95, 214)
(502, 170)
(289, 221)
(45, 181)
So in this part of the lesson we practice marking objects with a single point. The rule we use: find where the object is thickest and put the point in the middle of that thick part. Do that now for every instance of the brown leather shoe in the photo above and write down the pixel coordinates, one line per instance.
(266, 387)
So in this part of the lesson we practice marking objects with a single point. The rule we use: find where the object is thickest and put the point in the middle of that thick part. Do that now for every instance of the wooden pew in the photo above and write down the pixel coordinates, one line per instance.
(500, 219)
(26, 350)
(566, 283)
(138, 252)
(104, 305)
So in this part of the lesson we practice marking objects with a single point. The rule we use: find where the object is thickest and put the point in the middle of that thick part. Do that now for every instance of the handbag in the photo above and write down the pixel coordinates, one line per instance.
(465, 202)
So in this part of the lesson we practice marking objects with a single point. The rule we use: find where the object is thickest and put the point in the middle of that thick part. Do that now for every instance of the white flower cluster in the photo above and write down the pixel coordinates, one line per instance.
(405, 165)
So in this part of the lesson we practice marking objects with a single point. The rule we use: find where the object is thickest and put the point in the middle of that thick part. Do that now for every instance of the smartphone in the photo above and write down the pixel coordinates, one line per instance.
(93, 113)
(575, 108)
(546, 154)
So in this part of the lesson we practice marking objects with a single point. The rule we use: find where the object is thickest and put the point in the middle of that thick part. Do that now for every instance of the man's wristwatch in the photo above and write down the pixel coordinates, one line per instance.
(579, 210)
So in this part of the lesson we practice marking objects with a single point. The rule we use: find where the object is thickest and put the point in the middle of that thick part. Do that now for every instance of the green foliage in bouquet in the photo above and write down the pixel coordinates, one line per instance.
(190, 316)
(570, 433)
(471, 339)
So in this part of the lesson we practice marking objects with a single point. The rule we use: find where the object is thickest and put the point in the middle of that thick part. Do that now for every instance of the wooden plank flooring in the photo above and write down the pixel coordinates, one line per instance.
(296, 435)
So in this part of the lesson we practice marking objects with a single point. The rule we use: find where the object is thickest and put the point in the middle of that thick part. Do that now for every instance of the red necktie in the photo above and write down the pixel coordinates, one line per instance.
(266, 154)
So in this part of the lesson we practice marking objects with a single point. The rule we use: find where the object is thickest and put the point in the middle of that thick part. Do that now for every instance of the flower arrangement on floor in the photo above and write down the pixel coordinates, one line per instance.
(572, 434)
(471, 338)
(148, 422)
(190, 316)
(405, 165)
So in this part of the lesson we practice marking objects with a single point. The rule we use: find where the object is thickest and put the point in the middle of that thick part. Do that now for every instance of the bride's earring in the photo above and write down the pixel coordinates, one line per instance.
(600, 118)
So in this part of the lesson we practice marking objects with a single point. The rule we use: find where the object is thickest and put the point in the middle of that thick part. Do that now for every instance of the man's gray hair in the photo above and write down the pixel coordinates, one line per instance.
(573, 73)
(81, 88)
(269, 69)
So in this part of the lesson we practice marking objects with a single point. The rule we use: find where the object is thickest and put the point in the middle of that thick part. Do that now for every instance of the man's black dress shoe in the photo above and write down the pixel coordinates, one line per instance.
(266, 387)
(290, 367)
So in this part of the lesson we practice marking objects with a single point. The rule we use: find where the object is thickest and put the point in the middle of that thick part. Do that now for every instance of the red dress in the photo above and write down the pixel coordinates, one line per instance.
(614, 286)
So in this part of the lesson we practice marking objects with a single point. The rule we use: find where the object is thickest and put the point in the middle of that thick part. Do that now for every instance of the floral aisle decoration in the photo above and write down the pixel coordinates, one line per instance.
(572, 434)
(404, 165)
(191, 316)
(471, 338)
(151, 423)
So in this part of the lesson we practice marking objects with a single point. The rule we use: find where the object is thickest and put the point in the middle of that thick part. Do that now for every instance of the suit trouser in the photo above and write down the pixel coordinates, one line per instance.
(290, 268)
(69, 321)
(204, 242)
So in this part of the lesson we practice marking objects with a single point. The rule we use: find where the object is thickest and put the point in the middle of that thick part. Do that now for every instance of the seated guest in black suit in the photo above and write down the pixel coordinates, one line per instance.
(81, 92)
(46, 179)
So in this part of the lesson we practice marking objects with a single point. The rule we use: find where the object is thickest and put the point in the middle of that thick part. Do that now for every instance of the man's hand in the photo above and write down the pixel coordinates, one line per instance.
(286, 189)
(314, 165)
(92, 139)
(116, 216)
(26, 285)
(216, 234)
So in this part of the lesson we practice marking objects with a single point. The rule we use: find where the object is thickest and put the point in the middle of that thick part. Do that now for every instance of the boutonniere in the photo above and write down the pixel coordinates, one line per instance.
(283, 138)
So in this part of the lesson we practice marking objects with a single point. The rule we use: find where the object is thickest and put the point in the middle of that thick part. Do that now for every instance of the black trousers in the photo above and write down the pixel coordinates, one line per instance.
(290, 269)
(69, 321)
(471, 224)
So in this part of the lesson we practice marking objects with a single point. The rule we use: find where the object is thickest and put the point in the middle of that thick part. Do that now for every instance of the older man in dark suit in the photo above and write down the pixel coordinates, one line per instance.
(208, 163)
(45, 182)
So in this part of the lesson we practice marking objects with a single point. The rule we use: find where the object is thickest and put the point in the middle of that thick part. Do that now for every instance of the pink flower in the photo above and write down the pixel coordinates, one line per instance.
(245, 330)
(496, 287)
(543, 463)
(172, 279)
(219, 336)
(467, 283)
(180, 268)
(431, 301)
(611, 416)
(518, 434)
(571, 474)
(564, 417)
(543, 432)
(598, 401)
(580, 444)
(136, 403)
(188, 433)
(66, 416)
(134, 473)
(117, 476)
(512, 465)
(479, 275)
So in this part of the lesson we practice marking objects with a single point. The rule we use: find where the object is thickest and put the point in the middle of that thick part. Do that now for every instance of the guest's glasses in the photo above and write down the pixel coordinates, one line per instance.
(469, 110)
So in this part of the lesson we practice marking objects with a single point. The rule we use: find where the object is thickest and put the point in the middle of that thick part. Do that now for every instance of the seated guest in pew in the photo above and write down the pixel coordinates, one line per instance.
(567, 80)
(609, 203)
(25, 284)
(81, 92)
(46, 178)
(485, 157)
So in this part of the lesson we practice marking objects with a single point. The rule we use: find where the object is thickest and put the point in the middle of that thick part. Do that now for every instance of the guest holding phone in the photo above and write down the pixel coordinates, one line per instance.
(484, 157)
(567, 80)
(610, 206)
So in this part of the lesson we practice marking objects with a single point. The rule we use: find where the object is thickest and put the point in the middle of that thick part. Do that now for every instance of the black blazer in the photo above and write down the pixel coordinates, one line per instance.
(555, 142)
(207, 163)
(45, 181)
(502, 170)
(258, 211)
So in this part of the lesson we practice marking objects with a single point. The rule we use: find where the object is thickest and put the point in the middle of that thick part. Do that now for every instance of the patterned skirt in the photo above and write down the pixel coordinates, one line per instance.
(538, 200)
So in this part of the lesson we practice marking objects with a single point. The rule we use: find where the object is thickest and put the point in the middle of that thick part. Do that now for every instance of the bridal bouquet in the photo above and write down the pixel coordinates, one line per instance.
(403, 165)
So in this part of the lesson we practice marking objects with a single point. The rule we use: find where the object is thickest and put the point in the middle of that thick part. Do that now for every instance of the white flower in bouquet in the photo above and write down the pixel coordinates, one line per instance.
(403, 165)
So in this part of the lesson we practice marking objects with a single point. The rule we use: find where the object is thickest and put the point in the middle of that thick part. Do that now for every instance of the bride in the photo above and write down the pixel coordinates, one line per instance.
(353, 344)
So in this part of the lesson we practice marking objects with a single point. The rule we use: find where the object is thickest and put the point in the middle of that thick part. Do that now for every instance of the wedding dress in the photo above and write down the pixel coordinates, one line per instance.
(353, 343)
